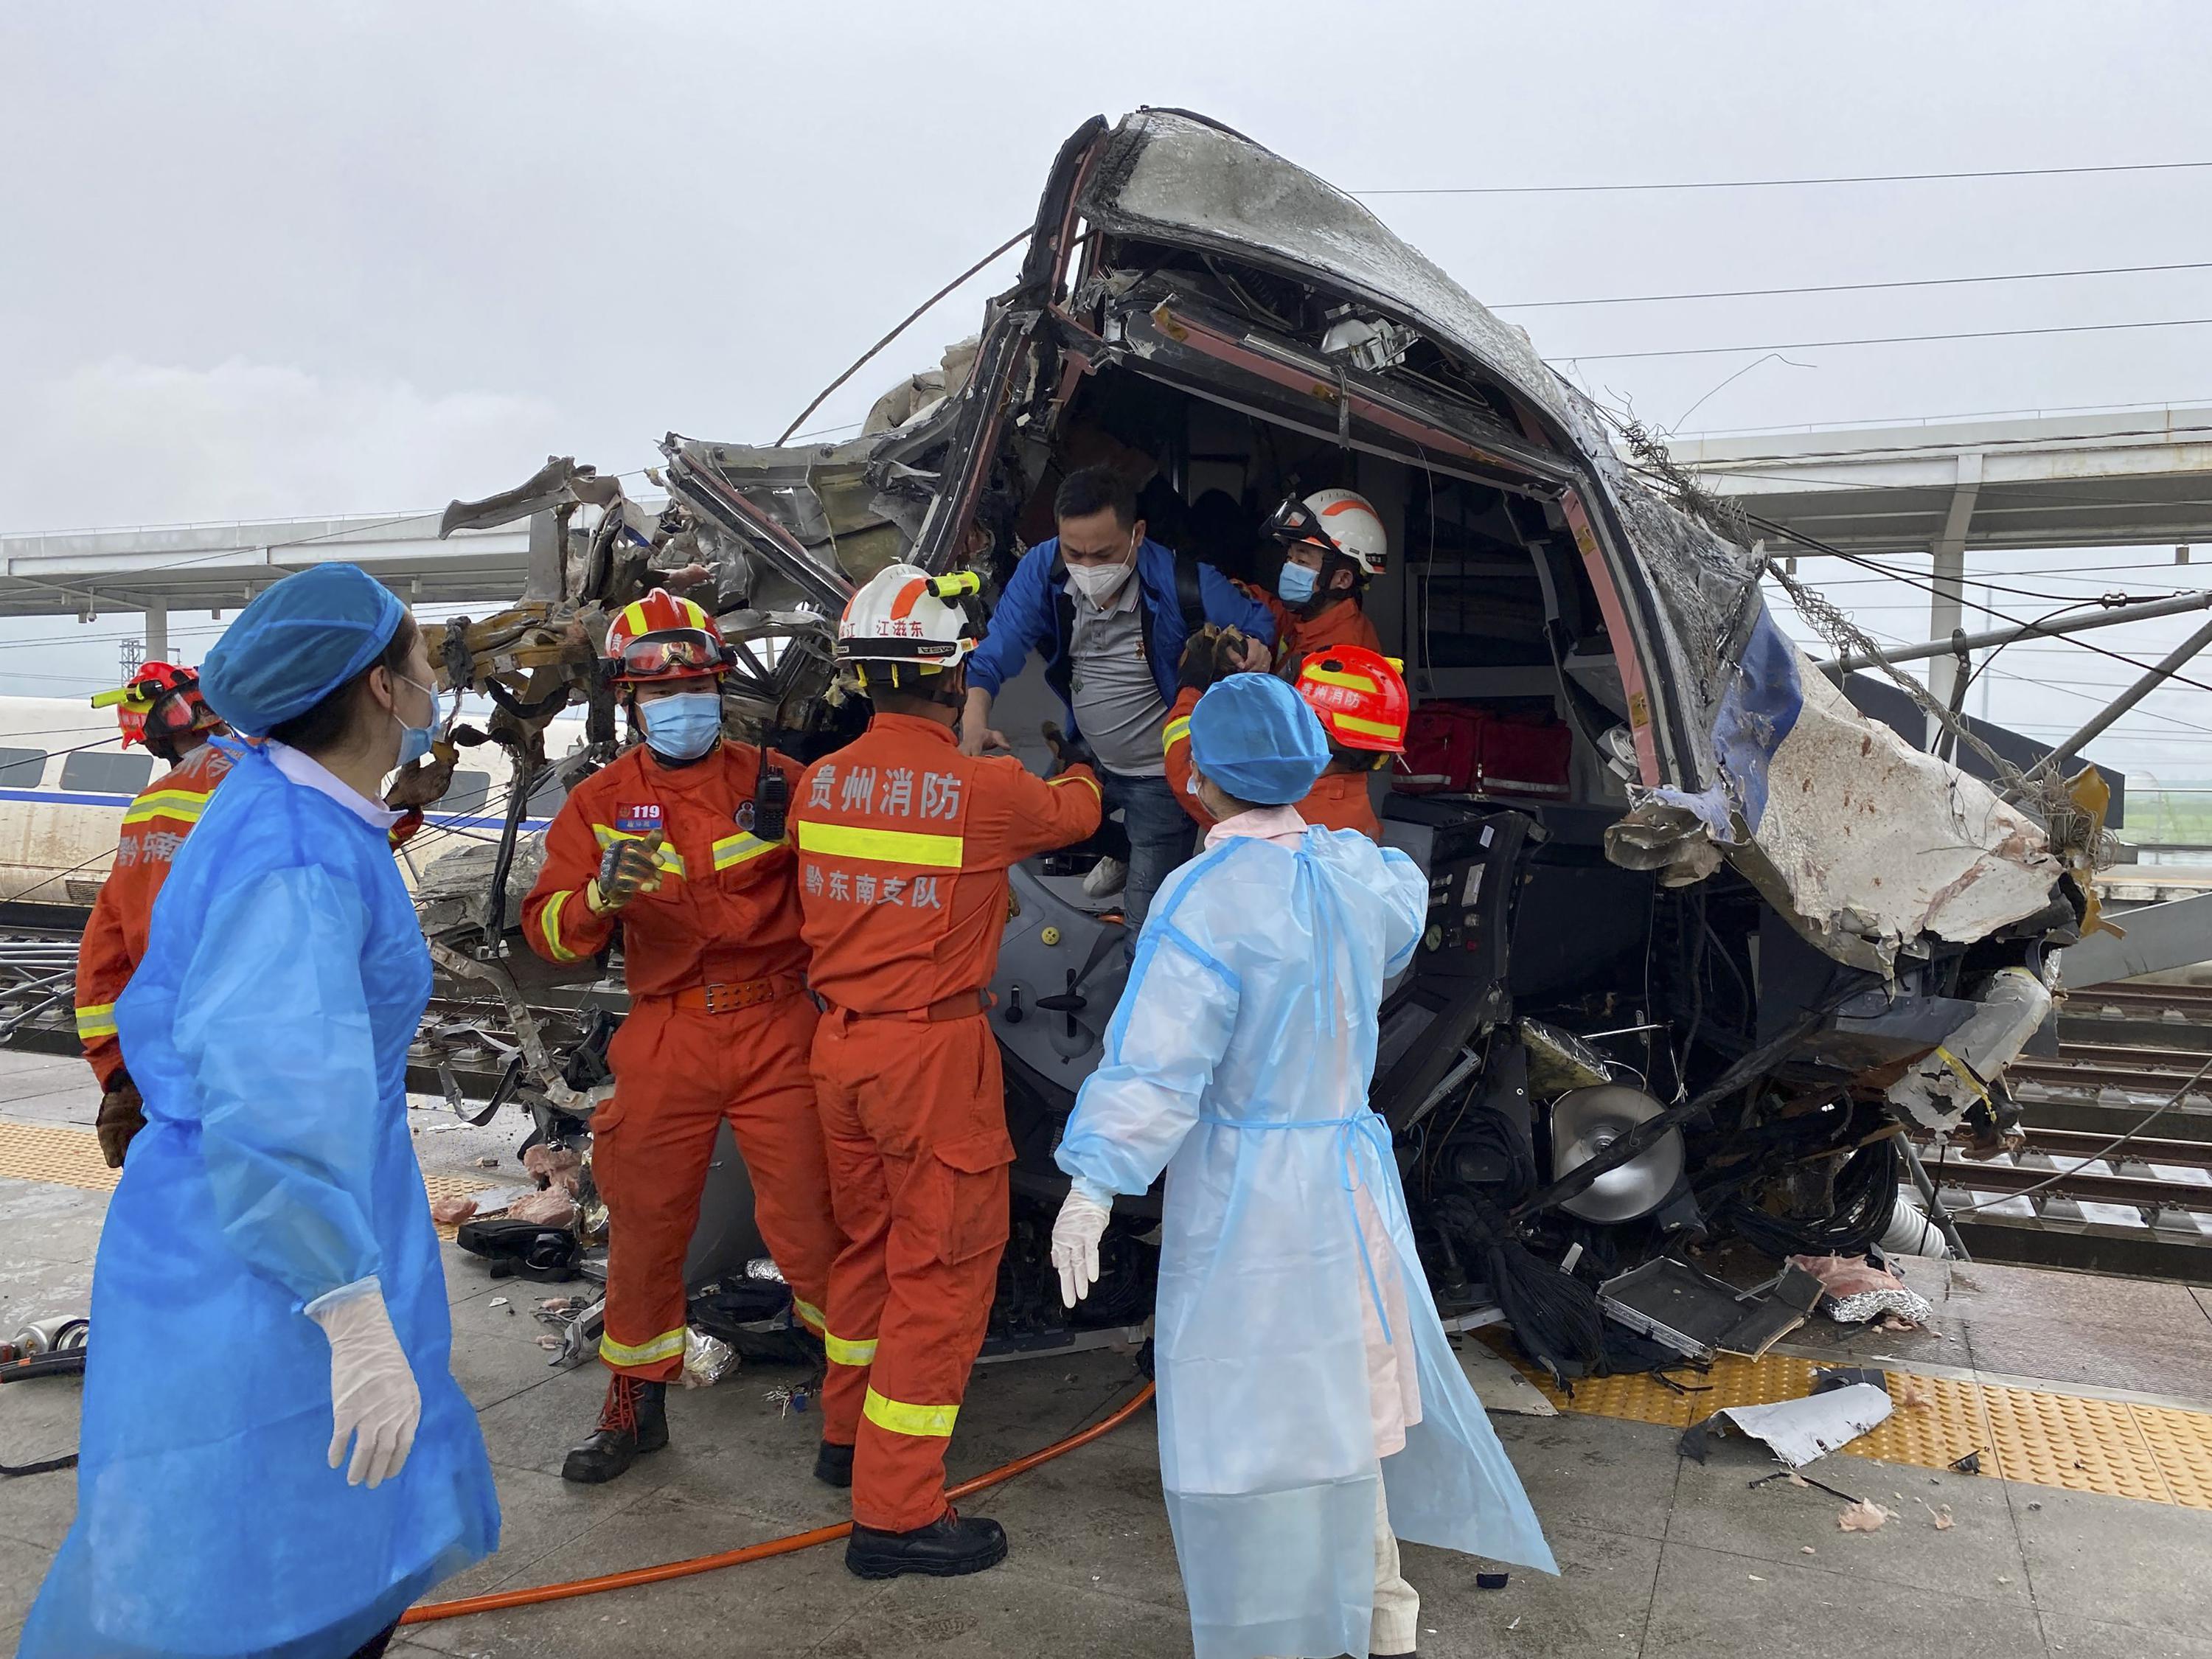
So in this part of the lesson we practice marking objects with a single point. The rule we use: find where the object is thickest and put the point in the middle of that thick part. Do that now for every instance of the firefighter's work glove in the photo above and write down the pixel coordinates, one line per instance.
(422, 782)
(1064, 753)
(374, 1402)
(1075, 1235)
(1214, 654)
(630, 868)
(122, 1115)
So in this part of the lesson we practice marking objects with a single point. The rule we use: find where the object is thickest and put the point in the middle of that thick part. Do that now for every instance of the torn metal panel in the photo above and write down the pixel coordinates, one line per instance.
(1869, 847)
(1800, 1431)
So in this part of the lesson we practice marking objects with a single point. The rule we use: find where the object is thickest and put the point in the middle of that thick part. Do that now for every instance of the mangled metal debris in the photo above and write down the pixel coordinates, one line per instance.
(1684, 988)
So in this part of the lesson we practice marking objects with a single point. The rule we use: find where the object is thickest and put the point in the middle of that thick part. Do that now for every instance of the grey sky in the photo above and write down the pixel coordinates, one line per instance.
(280, 258)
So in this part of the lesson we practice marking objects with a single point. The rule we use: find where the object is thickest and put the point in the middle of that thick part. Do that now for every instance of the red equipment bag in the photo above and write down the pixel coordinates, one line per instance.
(1443, 750)
(1464, 749)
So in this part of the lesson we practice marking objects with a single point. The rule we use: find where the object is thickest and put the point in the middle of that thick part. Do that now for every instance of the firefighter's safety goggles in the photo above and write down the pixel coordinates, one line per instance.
(1294, 522)
(671, 653)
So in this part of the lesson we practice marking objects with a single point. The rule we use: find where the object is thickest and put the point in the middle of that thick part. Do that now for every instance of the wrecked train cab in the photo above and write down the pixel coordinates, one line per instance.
(1701, 935)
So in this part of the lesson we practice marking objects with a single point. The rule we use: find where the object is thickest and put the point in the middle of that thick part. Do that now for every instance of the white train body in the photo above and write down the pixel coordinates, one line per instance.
(65, 779)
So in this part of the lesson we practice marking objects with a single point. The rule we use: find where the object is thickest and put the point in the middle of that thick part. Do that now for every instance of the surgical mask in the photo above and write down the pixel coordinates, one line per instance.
(1099, 583)
(415, 740)
(1295, 584)
(683, 726)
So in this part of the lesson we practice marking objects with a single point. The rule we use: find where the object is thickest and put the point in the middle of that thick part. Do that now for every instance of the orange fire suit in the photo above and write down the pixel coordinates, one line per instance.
(904, 844)
(1341, 624)
(720, 1028)
(155, 826)
(1338, 800)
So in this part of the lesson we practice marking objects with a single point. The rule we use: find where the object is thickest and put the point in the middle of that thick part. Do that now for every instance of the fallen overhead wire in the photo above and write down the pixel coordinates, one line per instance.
(905, 322)
(2101, 1153)
(1780, 184)
(1878, 339)
(1845, 288)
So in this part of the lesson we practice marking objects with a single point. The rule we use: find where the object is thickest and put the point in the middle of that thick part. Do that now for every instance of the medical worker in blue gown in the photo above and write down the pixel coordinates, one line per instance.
(1311, 1411)
(276, 1458)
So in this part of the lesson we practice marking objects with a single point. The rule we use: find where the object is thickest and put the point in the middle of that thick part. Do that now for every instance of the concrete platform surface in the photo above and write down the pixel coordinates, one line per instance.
(1659, 1556)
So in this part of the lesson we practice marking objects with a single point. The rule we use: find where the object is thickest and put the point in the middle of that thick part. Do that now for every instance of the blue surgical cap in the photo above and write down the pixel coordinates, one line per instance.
(296, 643)
(1255, 739)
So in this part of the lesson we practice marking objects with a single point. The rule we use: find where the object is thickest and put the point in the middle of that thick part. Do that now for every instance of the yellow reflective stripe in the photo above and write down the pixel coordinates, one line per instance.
(886, 845)
(809, 1314)
(182, 805)
(1331, 677)
(549, 922)
(1175, 732)
(669, 1345)
(95, 1019)
(1368, 728)
(1076, 777)
(736, 850)
(667, 858)
(901, 1418)
(842, 1352)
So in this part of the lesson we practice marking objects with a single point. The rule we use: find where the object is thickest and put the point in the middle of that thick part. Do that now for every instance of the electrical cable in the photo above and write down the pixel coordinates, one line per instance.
(1778, 184)
(2101, 1153)
(538, 1595)
(1878, 339)
(1819, 546)
(1843, 288)
(905, 322)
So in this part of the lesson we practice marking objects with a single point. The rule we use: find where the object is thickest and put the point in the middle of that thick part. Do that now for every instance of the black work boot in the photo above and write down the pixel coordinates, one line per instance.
(833, 1464)
(947, 1548)
(635, 1419)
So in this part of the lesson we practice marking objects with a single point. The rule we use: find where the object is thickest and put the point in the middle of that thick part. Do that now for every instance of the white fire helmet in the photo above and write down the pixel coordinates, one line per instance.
(904, 614)
(1341, 518)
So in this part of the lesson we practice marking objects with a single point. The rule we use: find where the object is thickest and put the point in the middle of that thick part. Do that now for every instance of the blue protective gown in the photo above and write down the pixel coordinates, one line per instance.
(1238, 1061)
(267, 1029)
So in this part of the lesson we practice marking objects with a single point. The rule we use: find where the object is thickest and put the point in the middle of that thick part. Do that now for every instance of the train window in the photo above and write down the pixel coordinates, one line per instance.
(466, 795)
(106, 774)
(20, 767)
(545, 799)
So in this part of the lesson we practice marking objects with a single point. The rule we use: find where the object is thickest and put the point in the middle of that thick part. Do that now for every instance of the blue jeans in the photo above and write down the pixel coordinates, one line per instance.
(1160, 834)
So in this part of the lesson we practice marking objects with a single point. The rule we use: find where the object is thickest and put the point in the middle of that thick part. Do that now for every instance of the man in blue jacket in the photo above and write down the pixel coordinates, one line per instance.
(1110, 611)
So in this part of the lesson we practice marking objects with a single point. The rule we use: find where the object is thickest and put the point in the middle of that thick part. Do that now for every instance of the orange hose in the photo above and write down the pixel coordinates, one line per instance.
(796, 1542)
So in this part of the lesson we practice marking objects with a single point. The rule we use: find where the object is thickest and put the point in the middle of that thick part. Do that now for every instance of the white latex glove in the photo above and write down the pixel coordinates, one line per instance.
(1075, 1238)
(374, 1401)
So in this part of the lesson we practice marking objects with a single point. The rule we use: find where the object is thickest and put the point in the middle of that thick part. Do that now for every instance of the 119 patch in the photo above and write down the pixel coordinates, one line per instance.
(640, 819)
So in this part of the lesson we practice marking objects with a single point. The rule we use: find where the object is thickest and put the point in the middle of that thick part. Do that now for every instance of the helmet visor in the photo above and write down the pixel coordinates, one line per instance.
(176, 713)
(671, 654)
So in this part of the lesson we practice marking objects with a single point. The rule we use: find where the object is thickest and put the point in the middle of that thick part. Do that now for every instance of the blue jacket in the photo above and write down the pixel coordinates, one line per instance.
(1034, 613)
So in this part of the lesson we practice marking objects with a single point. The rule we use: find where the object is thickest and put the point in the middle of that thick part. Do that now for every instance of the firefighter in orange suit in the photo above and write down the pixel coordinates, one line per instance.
(1363, 704)
(903, 845)
(1333, 545)
(682, 840)
(162, 707)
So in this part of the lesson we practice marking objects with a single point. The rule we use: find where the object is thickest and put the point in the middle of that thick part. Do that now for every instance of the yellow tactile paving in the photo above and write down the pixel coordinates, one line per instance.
(2160, 1454)
(2182, 1451)
(65, 1157)
(70, 1157)
(2064, 1440)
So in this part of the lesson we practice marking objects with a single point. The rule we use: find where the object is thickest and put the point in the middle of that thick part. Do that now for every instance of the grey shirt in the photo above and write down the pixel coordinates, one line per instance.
(1116, 700)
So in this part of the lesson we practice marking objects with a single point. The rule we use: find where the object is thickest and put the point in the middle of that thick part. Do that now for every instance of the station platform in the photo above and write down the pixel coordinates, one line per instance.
(2085, 1531)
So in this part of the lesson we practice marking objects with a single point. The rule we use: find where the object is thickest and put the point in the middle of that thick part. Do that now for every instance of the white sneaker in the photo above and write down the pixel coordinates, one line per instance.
(1105, 879)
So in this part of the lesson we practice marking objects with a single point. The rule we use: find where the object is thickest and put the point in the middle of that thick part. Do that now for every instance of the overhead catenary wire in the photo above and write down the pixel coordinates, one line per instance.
(1845, 288)
(1879, 340)
(1783, 184)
